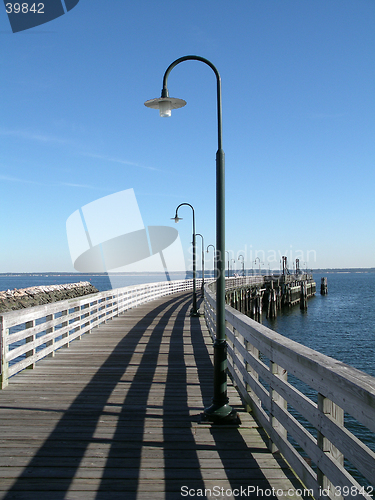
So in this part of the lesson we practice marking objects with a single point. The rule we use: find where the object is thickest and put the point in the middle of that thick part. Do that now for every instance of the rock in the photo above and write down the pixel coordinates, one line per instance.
(12, 300)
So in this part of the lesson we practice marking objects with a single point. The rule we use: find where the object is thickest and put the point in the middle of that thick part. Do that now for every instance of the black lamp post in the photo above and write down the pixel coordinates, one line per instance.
(202, 287)
(243, 264)
(233, 267)
(214, 255)
(228, 273)
(255, 261)
(176, 218)
(219, 411)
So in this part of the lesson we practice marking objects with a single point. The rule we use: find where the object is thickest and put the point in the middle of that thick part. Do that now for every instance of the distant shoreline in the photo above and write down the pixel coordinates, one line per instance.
(248, 271)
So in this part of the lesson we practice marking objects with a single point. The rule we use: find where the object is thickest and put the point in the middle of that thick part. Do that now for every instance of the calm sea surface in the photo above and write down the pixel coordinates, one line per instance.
(340, 324)
(100, 281)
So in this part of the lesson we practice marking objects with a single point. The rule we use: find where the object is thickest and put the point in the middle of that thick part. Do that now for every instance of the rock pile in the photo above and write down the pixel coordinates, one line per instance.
(37, 295)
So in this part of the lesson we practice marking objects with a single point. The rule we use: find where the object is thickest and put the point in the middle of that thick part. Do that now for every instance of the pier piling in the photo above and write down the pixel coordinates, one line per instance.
(270, 295)
(323, 286)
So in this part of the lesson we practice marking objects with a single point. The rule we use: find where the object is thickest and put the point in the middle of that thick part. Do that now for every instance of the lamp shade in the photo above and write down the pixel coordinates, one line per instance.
(165, 105)
(176, 218)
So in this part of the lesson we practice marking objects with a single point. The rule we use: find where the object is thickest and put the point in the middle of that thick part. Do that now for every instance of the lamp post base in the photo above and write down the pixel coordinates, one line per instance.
(222, 415)
(195, 314)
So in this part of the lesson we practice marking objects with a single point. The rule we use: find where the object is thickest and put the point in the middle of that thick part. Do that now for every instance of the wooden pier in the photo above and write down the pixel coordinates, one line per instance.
(117, 416)
(271, 294)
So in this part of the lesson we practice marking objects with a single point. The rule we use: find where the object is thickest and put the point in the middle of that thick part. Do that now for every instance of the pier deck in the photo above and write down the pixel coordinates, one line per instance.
(116, 416)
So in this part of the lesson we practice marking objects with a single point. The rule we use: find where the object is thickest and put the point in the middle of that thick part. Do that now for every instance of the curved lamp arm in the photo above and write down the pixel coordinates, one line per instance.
(176, 218)
(165, 93)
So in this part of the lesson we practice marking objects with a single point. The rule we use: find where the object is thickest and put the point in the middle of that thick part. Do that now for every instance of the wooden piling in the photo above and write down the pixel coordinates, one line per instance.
(273, 294)
(303, 296)
(323, 286)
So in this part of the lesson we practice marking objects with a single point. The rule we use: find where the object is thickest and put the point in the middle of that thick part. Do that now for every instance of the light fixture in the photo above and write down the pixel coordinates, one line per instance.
(176, 218)
(165, 105)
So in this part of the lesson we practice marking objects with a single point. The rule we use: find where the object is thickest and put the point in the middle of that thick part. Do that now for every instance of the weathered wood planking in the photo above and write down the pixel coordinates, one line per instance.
(116, 416)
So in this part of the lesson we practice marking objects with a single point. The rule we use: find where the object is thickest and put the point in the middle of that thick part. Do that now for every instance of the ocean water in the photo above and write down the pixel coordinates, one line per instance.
(100, 281)
(340, 324)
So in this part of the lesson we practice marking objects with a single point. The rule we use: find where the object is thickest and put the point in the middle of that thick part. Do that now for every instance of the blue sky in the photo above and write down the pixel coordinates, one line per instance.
(298, 84)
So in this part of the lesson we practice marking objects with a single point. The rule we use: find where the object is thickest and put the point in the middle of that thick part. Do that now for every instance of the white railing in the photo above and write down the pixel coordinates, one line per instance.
(234, 282)
(259, 361)
(28, 335)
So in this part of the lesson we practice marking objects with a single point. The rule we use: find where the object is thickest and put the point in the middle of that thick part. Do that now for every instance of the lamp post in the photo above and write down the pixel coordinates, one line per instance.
(243, 264)
(176, 218)
(214, 255)
(226, 251)
(233, 267)
(219, 411)
(202, 287)
(255, 261)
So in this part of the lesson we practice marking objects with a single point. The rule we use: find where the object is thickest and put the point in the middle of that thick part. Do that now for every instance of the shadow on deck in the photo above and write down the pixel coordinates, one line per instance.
(116, 416)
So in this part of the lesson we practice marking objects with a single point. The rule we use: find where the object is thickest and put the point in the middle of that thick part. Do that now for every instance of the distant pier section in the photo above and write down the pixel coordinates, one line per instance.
(273, 293)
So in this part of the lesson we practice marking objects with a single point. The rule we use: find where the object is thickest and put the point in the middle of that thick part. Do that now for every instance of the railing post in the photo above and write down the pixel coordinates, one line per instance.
(279, 372)
(120, 302)
(94, 311)
(4, 332)
(102, 310)
(63, 324)
(235, 338)
(49, 317)
(86, 315)
(255, 353)
(335, 413)
(127, 300)
(78, 309)
(105, 309)
(115, 304)
(30, 324)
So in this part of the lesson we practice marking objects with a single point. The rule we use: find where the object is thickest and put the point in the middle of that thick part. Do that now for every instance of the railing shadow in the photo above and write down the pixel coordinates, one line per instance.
(172, 380)
(88, 407)
(245, 465)
(180, 406)
(190, 462)
(162, 365)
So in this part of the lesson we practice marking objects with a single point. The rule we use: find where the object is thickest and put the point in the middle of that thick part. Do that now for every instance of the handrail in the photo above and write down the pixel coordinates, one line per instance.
(274, 401)
(28, 335)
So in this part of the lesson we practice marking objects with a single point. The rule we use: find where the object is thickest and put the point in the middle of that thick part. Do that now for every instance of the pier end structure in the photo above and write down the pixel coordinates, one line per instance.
(271, 294)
